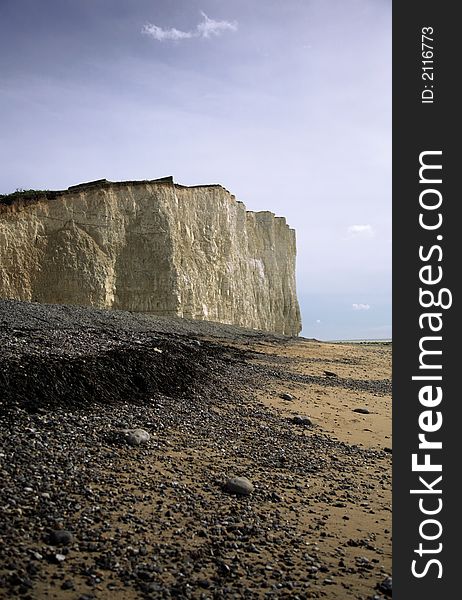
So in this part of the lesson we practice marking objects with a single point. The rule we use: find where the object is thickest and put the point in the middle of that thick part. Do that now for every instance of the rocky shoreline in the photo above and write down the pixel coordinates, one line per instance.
(88, 514)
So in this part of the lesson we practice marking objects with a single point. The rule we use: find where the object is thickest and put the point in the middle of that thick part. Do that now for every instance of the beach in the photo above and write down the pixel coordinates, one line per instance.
(89, 513)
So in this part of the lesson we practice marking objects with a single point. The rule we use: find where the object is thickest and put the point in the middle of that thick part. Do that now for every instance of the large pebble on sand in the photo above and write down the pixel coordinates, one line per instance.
(60, 537)
(239, 485)
(301, 420)
(135, 437)
(362, 411)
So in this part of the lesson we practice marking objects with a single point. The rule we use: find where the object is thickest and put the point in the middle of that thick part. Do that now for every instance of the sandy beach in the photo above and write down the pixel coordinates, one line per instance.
(155, 520)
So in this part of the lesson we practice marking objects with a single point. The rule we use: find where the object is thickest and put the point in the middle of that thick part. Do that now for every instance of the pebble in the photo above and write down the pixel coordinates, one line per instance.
(239, 485)
(286, 396)
(330, 374)
(60, 558)
(67, 585)
(386, 586)
(61, 537)
(301, 420)
(136, 437)
(363, 411)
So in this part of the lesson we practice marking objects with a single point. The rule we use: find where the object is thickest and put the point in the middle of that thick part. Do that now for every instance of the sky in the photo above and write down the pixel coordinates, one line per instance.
(285, 104)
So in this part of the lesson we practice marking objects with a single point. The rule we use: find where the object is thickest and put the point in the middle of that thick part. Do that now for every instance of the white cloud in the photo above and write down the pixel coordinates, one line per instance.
(209, 27)
(165, 34)
(318, 320)
(360, 306)
(205, 29)
(361, 231)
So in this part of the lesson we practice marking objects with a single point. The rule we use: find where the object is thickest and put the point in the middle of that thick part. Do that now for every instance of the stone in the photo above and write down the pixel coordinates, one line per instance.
(59, 558)
(301, 420)
(286, 396)
(239, 485)
(385, 586)
(67, 585)
(330, 374)
(61, 537)
(154, 247)
(362, 411)
(136, 437)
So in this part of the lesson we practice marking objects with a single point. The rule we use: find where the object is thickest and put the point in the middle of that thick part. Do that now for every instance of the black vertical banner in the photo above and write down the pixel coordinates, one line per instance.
(427, 433)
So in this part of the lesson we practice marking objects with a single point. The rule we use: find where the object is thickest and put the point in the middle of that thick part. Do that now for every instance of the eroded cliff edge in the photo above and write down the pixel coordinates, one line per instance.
(154, 247)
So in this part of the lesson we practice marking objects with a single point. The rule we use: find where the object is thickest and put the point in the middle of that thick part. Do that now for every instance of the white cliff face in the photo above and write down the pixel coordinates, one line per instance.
(153, 247)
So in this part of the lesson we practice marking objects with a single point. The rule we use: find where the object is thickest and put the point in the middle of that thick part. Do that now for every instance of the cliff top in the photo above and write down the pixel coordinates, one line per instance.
(22, 198)
(34, 195)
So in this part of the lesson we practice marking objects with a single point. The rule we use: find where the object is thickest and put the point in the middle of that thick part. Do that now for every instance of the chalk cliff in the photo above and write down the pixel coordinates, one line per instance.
(154, 247)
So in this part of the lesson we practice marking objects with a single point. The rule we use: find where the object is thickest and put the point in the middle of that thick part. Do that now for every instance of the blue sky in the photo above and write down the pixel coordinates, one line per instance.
(286, 104)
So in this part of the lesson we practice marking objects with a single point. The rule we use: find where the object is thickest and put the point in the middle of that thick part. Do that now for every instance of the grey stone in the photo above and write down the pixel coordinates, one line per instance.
(136, 437)
(301, 420)
(386, 586)
(286, 396)
(363, 411)
(239, 485)
(67, 585)
(61, 537)
(60, 558)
